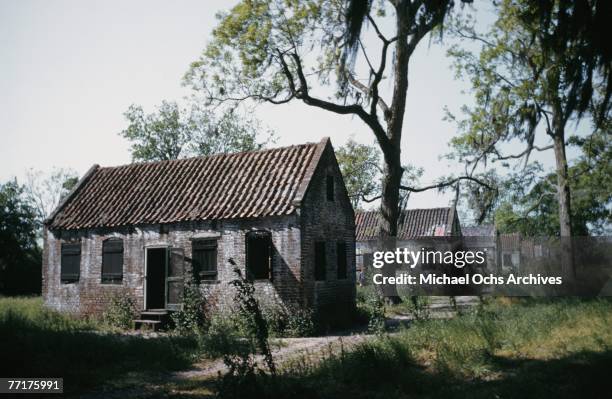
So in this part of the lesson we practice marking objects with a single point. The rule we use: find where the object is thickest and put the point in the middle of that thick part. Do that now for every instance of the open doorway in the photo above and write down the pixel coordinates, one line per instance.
(156, 278)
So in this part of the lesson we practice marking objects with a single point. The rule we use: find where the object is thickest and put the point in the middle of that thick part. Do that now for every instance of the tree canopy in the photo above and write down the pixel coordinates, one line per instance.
(541, 66)
(173, 132)
(20, 258)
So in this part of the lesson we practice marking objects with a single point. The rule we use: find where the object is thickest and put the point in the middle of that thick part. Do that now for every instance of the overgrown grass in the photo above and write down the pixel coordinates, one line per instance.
(35, 341)
(507, 349)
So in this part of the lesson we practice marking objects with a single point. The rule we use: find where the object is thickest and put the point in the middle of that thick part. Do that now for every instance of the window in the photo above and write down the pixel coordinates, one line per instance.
(320, 264)
(341, 259)
(507, 260)
(71, 263)
(112, 261)
(330, 188)
(259, 255)
(204, 260)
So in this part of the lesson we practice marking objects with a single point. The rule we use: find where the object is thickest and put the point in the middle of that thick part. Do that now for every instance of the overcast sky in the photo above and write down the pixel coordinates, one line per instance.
(69, 69)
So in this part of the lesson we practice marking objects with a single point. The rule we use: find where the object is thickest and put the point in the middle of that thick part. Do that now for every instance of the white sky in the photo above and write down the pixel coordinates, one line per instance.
(69, 69)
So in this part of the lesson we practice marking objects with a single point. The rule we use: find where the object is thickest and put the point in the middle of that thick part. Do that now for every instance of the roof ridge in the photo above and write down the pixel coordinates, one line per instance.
(221, 154)
(411, 209)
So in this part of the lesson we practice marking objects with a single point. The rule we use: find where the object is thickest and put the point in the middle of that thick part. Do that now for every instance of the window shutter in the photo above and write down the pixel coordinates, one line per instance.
(70, 263)
(112, 261)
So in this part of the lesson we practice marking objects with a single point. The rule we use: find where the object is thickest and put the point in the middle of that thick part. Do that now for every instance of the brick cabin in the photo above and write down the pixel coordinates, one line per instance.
(283, 215)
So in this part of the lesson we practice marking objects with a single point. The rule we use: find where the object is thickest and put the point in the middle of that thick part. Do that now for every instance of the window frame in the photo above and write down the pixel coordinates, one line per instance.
(205, 245)
(110, 277)
(70, 249)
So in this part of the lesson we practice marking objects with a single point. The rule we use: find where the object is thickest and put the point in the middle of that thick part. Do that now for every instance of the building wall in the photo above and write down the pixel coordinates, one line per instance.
(90, 296)
(331, 222)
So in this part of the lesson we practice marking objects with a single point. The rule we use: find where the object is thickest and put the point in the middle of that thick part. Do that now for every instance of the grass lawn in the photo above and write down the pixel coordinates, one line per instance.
(509, 348)
(557, 348)
(36, 342)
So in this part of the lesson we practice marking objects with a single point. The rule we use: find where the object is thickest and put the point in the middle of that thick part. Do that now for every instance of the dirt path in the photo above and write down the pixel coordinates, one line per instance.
(287, 349)
(283, 350)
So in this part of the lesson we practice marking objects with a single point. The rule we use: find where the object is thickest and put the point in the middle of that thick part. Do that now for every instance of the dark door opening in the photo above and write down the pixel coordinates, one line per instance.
(156, 278)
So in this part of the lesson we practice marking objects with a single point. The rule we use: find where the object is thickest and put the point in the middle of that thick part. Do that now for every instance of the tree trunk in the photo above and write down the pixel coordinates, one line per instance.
(564, 198)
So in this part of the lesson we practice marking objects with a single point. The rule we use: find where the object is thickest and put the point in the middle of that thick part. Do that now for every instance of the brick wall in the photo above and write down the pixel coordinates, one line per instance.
(90, 296)
(331, 222)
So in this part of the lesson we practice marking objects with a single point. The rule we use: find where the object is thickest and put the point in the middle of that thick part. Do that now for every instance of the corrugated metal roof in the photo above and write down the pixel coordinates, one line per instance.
(413, 223)
(224, 186)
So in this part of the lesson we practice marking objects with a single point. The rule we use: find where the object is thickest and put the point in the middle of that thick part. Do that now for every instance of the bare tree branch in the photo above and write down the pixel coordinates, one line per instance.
(448, 183)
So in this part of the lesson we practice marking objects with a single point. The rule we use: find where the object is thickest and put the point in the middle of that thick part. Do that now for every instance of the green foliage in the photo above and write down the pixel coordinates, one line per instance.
(533, 210)
(20, 257)
(360, 167)
(289, 320)
(530, 79)
(418, 307)
(241, 377)
(84, 354)
(250, 312)
(120, 312)
(191, 318)
(525, 348)
(372, 306)
(223, 337)
(172, 132)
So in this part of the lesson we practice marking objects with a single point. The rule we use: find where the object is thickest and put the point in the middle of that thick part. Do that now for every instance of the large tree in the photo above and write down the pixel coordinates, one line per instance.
(541, 66)
(277, 51)
(172, 132)
(534, 211)
(20, 258)
(361, 169)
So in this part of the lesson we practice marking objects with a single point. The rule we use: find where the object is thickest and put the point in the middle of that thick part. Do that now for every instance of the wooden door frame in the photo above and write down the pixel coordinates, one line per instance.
(167, 247)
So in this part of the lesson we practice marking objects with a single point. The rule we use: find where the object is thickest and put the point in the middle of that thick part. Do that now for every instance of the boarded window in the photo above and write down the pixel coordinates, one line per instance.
(204, 259)
(259, 255)
(341, 259)
(320, 261)
(71, 263)
(112, 261)
(330, 187)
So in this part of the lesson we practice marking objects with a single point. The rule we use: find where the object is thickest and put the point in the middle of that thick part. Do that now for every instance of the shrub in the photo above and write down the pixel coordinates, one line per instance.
(190, 319)
(121, 311)
(289, 320)
(370, 309)
(300, 322)
(241, 379)
(222, 337)
(418, 307)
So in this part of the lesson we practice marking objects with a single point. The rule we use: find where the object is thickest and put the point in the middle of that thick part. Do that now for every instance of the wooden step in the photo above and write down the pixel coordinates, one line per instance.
(154, 313)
